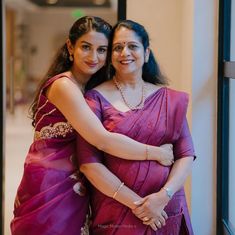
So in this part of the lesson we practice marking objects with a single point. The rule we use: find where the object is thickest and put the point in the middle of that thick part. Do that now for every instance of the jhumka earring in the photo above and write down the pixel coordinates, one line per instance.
(71, 58)
(146, 59)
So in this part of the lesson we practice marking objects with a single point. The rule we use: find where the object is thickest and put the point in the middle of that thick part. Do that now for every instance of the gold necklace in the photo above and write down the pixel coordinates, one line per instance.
(140, 105)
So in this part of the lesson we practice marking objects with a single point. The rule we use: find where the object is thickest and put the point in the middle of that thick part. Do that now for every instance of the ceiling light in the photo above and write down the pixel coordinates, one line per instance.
(52, 1)
(98, 2)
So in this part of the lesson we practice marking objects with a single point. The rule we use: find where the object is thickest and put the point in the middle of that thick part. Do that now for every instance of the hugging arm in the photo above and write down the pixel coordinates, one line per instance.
(68, 98)
(90, 161)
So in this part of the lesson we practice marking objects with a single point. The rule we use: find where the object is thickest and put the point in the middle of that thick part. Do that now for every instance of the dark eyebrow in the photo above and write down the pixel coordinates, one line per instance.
(86, 42)
(120, 43)
(103, 46)
(91, 44)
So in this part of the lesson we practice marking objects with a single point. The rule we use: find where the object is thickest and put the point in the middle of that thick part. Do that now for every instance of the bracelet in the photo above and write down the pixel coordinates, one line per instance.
(147, 152)
(115, 193)
(168, 192)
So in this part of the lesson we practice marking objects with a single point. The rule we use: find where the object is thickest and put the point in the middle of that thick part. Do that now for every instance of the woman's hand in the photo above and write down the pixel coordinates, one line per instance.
(151, 209)
(155, 224)
(163, 154)
(167, 156)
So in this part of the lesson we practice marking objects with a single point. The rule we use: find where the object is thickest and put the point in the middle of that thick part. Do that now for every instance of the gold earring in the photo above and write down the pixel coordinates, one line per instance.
(71, 58)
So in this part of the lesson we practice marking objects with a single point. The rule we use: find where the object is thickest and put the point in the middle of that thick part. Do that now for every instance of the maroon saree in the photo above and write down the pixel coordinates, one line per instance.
(162, 120)
(51, 198)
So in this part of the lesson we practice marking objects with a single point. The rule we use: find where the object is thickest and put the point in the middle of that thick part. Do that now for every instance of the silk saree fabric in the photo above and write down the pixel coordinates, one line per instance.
(162, 120)
(51, 198)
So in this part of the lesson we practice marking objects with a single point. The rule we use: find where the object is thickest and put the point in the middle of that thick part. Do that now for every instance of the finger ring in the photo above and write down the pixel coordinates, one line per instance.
(158, 223)
(145, 218)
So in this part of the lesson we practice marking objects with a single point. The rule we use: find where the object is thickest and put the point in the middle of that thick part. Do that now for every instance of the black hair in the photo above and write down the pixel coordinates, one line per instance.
(151, 70)
(62, 63)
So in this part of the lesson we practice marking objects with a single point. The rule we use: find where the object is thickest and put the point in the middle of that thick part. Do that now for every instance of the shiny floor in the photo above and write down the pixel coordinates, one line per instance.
(19, 135)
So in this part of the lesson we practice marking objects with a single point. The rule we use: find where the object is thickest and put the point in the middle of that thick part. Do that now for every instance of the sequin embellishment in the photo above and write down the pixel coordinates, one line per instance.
(59, 129)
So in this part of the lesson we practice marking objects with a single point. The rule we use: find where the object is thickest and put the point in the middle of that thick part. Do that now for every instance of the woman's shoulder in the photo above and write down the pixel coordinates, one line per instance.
(63, 82)
(167, 91)
(177, 99)
(58, 79)
(177, 94)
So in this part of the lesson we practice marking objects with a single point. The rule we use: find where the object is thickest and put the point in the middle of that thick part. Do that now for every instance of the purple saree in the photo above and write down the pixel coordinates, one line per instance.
(162, 120)
(51, 198)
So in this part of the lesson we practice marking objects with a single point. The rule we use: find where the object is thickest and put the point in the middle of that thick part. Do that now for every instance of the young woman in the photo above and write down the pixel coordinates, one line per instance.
(136, 102)
(51, 198)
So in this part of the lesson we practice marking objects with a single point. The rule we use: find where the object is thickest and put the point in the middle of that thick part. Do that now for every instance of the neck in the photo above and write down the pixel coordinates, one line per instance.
(130, 80)
(81, 83)
(81, 79)
(124, 94)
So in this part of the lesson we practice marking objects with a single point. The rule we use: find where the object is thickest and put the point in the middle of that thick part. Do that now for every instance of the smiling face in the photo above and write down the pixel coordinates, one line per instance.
(128, 54)
(89, 53)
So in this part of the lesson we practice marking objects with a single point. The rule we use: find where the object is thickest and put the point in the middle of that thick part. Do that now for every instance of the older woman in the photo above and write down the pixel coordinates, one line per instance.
(136, 102)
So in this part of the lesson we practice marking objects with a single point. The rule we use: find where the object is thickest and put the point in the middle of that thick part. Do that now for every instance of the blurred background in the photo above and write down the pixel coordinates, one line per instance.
(194, 43)
(35, 30)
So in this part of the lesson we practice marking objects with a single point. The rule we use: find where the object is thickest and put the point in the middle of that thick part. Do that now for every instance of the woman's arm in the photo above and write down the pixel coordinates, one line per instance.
(184, 155)
(68, 98)
(109, 184)
(90, 160)
(178, 175)
(153, 204)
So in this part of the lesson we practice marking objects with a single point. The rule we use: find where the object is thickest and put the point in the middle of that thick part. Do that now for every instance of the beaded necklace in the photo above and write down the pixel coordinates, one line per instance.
(140, 105)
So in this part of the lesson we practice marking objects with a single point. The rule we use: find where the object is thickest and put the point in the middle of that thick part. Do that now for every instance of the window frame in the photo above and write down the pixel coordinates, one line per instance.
(2, 119)
(225, 73)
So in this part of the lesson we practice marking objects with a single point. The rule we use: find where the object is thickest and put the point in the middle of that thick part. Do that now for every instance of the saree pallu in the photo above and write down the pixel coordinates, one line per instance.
(161, 121)
(51, 198)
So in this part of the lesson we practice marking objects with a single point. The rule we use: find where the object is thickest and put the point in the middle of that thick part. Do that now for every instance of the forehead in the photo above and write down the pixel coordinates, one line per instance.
(123, 35)
(93, 37)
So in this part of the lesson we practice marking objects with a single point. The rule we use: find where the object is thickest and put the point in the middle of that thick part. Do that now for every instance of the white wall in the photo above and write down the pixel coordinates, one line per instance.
(184, 39)
(204, 93)
(162, 19)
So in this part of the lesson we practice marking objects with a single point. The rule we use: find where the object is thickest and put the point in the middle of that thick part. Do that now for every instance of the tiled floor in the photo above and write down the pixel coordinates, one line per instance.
(19, 134)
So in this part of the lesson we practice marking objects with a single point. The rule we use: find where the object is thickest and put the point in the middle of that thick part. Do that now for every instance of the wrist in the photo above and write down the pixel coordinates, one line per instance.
(168, 192)
(162, 197)
(154, 153)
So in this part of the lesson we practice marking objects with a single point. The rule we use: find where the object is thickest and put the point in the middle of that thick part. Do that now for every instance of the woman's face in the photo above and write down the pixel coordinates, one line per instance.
(127, 52)
(89, 53)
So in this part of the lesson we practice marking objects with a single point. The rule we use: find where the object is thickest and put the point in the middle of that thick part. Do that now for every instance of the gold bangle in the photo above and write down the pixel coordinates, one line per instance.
(115, 193)
(147, 152)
